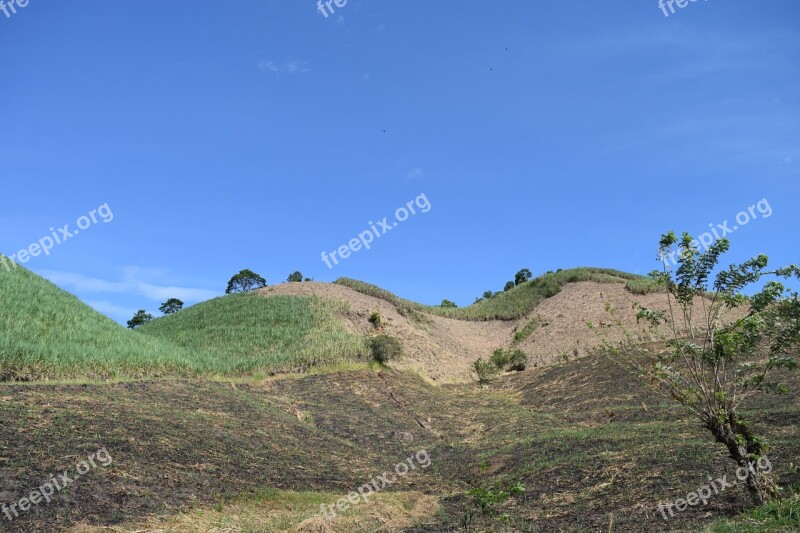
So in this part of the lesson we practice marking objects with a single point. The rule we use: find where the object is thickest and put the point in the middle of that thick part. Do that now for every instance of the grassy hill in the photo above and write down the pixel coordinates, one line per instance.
(517, 302)
(249, 332)
(47, 333)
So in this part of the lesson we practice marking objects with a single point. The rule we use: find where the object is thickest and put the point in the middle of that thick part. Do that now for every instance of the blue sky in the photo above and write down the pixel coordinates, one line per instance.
(258, 134)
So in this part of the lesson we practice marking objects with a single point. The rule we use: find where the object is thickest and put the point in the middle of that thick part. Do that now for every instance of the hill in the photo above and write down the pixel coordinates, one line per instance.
(248, 333)
(47, 333)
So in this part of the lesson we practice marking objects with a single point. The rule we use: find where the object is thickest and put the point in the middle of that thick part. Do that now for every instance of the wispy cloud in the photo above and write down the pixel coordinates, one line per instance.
(134, 281)
(289, 67)
(415, 173)
(110, 309)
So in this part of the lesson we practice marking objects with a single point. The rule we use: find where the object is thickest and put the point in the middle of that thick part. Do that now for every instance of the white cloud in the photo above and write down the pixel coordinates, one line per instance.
(134, 281)
(108, 308)
(290, 67)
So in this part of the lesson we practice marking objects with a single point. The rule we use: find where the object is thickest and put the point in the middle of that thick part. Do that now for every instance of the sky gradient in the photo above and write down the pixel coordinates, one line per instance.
(259, 134)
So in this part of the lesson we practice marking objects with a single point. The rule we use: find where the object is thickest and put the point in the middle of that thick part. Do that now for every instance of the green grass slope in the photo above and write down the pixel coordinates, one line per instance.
(517, 302)
(249, 333)
(46, 332)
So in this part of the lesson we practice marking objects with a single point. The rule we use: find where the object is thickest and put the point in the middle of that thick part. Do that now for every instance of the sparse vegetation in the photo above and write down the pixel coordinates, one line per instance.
(527, 330)
(295, 277)
(447, 304)
(508, 305)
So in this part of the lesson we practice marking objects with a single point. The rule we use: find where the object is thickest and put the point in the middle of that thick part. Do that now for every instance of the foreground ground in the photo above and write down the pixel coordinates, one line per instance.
(593, 451)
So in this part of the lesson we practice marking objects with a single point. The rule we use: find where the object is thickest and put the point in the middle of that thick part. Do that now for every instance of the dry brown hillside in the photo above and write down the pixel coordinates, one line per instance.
(444, 348)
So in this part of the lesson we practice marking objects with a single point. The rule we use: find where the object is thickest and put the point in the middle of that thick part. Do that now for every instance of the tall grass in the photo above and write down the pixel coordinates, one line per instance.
(47, 333)
(517, 302)
(250, 332)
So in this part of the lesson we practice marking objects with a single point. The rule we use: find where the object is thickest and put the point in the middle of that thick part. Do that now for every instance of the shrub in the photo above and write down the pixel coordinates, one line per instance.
(510, 360)
(295, 277)
(385, 348)
(485, 370)
(510, 285)
(375, 319)
(499, 358)
(517, 361)
(448, 304)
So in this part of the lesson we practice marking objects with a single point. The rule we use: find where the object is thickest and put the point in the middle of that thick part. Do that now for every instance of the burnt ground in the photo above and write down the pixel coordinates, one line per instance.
(591, 447)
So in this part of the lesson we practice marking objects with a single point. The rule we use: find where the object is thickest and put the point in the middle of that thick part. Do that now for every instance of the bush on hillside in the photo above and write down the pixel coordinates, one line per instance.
(376, 319)
(485, 370)
(499, 358)
(448, 304)
(509, 285)
(509, 360)
(517, 361)
(295, 277)
(385, 348)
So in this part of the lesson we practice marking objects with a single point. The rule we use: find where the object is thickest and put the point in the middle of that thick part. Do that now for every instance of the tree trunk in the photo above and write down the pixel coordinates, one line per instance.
(746, 450)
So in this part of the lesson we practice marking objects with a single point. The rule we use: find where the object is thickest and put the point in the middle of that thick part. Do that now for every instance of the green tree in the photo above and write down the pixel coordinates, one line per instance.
(448, 304)
(522, 276)
(141, 317)
(713, 365)
(173, 305)
(244, 281)
(510, 285)
(487, 295)
(295, 277)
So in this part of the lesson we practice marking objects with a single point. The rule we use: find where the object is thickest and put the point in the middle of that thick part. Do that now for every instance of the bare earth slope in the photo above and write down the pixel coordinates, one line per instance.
(444, 348)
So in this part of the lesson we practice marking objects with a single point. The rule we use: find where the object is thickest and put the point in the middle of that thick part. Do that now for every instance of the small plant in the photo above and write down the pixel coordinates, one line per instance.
(509, 360)
(385, 348)
(295, 277)
(500, 358)
(517, 361)
(485, 370)
(487, 500)
(510, 285)
(447, 304)
(376, 319)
